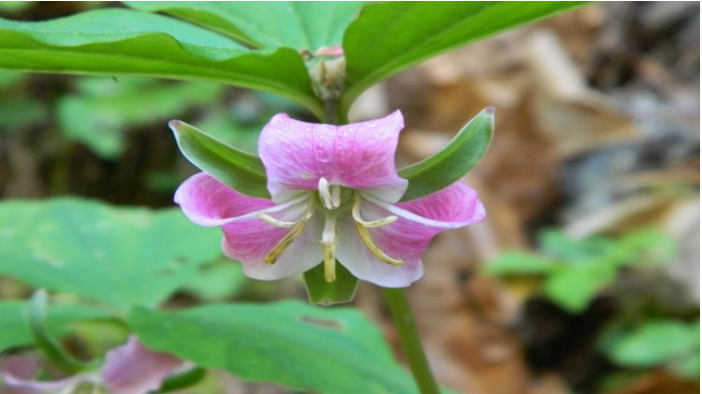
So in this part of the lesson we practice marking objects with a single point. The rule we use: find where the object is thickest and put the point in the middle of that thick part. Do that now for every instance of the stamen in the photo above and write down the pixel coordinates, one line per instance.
(325, 194)
(370, 244)
(282, 223)
(280, 247)
(356, 212)
(329, 248)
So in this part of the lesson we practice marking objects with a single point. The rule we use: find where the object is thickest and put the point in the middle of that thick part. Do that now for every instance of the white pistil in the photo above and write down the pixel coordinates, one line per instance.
(329, 236)
(325, 193)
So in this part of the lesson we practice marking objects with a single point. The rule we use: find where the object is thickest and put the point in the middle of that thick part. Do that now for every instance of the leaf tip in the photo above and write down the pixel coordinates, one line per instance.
(175, 124)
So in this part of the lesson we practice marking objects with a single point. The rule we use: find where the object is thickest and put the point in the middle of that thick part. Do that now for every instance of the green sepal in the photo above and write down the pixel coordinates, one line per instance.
(454, 161)
(239, 170)
(321, 292)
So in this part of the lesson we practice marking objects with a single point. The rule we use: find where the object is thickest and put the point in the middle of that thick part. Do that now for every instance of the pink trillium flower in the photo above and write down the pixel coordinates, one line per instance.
(128, 369)
(335, 193)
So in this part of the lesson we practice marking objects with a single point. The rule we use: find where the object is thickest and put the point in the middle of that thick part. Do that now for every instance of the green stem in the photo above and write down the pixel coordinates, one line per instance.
(409, 339)
(396, 298)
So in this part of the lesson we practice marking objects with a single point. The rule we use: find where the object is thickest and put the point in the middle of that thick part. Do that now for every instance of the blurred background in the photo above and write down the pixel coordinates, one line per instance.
(585, 276)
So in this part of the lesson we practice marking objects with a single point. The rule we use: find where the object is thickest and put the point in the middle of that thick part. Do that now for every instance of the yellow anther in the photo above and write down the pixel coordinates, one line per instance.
(370, 244)
(280, 247)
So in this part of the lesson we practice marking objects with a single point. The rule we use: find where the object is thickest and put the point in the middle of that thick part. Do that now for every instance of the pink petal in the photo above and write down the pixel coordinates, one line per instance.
(360, 155)
(251, 240)
(247, 238)
(134, 369)
(209, 202)
(408, 237)
(353, 254)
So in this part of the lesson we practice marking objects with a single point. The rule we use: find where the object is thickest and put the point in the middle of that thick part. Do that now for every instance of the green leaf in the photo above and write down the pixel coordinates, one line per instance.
(290, 343)
(217, 281)
(520, 263)
(454, 161)
(118, 41)
(100, 119)
(117, 256)
(321, 292)
(574, 287)
(389, 37)
(239, 170)
(15, 330)
(298, 25)
(558, 244)
(654, 343)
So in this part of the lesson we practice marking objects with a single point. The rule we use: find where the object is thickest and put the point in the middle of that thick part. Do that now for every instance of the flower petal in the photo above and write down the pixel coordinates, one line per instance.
(353, 254)
(132, 368)
(360, 156)
(409, 236)
(249, 241)
(247, 238)
(209, 202)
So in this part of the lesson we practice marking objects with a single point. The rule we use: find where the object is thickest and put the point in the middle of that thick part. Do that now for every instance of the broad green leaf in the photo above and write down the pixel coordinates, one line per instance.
(389, 37)
(117, 256)
(654, 343)
(99, 120)
(520, 263)
(119, 41)
(14, 327)
(454, 161)
(217, 281)
(322, 292)
(241, 171)
(574, 287)
(291, 343)
(298, 25)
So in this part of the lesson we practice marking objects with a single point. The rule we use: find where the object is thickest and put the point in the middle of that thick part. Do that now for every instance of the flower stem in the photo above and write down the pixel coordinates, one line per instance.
(409, 339)
(396, 298)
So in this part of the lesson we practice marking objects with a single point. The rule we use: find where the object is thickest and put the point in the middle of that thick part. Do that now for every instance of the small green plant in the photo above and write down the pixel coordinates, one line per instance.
(572, 273)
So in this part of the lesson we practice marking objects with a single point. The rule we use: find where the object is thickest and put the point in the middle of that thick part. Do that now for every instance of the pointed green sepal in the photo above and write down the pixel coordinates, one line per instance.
(237, 169)
(454, 161)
